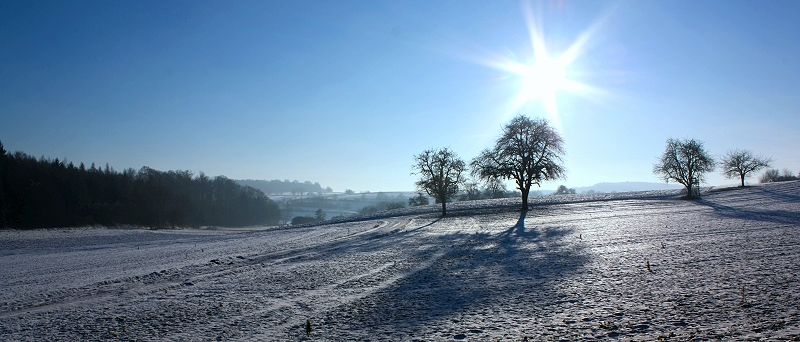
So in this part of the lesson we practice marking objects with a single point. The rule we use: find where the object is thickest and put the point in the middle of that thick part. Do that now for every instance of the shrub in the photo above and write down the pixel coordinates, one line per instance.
(418, 200)
(381, 207)
(303, 220)
(563, 190)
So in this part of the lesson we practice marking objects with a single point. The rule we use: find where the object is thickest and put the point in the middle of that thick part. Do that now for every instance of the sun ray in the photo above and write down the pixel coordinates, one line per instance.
(541, 80)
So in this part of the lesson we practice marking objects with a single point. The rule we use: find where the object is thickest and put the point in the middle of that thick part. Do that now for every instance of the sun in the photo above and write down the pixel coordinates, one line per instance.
(544, 77)
(541, 81)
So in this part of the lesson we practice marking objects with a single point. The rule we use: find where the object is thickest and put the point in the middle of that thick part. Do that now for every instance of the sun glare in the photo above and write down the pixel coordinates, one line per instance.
(540, 80)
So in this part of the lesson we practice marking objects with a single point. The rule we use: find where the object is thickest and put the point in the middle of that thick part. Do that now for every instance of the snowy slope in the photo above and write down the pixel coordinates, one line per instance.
(574, 268)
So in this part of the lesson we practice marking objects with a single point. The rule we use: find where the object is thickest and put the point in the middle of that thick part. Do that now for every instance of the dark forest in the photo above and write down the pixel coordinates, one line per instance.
(41, 193)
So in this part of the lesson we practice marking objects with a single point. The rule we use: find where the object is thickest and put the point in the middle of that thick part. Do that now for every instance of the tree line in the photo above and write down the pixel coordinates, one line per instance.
(530, 151)
(39, 193)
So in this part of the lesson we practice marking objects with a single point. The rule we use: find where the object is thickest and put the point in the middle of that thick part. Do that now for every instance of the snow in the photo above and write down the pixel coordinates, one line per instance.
(572, 268)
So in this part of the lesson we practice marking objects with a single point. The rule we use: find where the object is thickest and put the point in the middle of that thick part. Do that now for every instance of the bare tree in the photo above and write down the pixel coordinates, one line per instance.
(685, 162)
(494, 188)
(773, 175)
(441, 172)
(286, 213)
(471, 191)
(740, 163)
(528, 151)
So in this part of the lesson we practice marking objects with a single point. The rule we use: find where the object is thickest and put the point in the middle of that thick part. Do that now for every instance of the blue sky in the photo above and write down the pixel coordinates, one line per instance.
(345, 93)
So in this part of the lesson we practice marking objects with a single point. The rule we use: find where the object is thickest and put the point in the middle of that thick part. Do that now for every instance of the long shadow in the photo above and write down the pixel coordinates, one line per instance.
(468, 208)
(774, 216)
(475, 273)
(781, 195)
(517, 231)
(423, 226)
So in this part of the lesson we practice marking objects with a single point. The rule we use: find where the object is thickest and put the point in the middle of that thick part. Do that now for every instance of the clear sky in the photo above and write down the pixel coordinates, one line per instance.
(345, 93)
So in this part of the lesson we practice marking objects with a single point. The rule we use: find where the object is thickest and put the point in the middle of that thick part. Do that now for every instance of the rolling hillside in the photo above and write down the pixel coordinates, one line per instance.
(642, 266)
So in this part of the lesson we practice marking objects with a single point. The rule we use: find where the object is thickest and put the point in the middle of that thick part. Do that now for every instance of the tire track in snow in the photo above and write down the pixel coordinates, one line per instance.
(174, 281)
(170, 279)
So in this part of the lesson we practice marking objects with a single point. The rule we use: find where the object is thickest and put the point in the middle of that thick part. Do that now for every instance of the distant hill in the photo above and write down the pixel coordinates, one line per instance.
(276, 187)
(627, 186)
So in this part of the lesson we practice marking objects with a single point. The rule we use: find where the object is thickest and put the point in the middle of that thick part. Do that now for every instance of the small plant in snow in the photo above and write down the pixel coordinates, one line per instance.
(308, 327)
(608, 325)
(647, 264)
(744, 299)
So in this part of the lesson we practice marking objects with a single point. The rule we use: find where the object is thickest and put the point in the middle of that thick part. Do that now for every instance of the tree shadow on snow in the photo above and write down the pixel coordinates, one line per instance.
(465, 278)
(518, 231)
(788, 193)
(774, 216)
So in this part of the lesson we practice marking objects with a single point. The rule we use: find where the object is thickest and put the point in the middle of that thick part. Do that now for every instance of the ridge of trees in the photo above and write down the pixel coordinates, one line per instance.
(276, 186)
(40, 193)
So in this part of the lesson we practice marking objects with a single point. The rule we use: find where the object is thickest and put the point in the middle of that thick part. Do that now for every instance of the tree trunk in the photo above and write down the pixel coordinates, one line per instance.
(525, 192)
(444, 209)
(742, 176)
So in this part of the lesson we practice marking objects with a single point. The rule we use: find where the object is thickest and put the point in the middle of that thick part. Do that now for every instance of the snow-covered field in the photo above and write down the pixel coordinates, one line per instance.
(572, 268)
